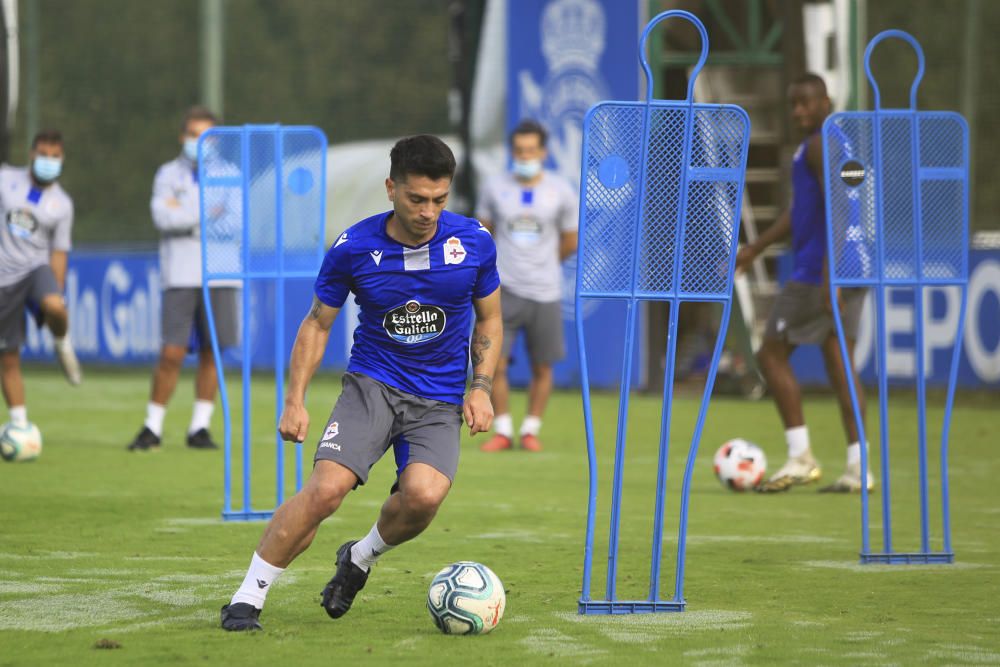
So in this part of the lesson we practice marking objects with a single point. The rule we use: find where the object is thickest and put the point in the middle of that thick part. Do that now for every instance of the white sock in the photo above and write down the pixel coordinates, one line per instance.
(798, 441)
(854, 454)
(19, 415)
(201, 416)
(257, 583)
(503, 425)
(154, 417)
(531, 425)
(60, 341)
(367, 550)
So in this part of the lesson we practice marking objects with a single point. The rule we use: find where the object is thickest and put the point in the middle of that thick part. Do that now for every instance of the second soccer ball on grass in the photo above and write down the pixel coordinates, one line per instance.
(20, 443)
(739, 465)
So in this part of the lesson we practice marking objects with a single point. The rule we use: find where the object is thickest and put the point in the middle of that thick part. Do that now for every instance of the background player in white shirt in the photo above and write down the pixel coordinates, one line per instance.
(35, 232)
(177, 216)
(534, 216)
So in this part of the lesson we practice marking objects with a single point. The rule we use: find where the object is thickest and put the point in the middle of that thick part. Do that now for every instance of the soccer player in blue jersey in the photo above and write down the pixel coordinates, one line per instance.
(802, 313)
(418, 273)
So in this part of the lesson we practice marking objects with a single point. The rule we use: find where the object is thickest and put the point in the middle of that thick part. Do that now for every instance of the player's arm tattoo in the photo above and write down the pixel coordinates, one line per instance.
(480, 343)
(483, 382)
(315, 310)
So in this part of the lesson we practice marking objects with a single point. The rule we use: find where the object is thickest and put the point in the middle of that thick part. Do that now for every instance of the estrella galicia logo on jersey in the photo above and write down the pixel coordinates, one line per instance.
(414, 322)
(852, 173)
(21, 223)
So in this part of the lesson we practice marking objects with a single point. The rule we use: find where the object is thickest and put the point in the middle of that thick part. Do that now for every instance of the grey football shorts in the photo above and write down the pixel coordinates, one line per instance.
(541, 323)
(370, 416)
(184, 306)
(800, 318)
(13, 298)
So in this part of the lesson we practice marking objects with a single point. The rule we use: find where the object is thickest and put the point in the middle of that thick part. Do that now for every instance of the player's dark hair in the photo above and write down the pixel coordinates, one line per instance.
(50, 136)
(528, 126)
(198, 112)
(421, 155)
(811, 79)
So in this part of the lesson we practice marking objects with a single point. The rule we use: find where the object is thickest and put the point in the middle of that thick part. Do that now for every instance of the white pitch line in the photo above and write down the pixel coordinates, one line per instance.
(646, 628)
(20, 587)
(552, 642)
(56, 613)
(515, 535)
(759, 539)
(854, 566)
(50, 555)
(718, 651)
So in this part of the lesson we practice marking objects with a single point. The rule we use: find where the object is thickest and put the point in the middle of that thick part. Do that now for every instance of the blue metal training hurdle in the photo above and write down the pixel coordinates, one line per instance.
(662, 182)
(898, 218)
(263, 204)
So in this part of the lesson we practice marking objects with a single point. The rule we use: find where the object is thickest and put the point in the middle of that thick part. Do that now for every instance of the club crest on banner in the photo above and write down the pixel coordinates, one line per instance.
(572, 34)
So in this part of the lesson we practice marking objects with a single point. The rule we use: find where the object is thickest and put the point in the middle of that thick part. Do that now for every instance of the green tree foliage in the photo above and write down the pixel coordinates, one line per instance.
(116, 76)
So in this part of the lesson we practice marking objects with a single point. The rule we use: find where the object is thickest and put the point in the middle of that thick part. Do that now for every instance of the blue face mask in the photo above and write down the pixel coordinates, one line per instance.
(527, 169)
(46, 169)
(191, 149)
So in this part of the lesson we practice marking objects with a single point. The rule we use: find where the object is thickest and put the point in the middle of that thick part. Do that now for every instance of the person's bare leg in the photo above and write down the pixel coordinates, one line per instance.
(773, 359)
(168, 369)
(206, 382)
(538, 397)
(56, 315)
(838, 378)
(800, 467)
(57, 320)
(10, 378)
(503, 426)
(501, 389)
(408, 512)
(292, 528)
(540, 389)
(289, 532)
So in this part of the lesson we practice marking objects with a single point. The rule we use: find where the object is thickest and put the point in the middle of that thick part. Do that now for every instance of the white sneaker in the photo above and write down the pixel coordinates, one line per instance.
(67, 361)
(796, 471)
(850, 481)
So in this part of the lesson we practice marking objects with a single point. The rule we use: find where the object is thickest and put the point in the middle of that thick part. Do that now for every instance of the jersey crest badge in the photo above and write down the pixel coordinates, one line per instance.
(454, 253)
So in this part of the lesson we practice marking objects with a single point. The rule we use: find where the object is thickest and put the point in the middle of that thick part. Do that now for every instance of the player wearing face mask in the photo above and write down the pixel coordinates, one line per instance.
(36, 220)
(176, 210)
(533, 216)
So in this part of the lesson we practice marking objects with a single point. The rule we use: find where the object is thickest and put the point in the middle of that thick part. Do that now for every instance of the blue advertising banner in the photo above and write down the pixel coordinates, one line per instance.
(114, 303)
(979, 364)
(563, 56)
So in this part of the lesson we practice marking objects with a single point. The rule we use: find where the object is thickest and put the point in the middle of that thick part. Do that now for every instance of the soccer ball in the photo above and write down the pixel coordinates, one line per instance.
(739, 465)
(20, 443)
(466, 598)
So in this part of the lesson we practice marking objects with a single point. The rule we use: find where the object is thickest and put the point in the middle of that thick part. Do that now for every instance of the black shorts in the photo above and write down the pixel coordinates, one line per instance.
(370, 415)
(14, 298)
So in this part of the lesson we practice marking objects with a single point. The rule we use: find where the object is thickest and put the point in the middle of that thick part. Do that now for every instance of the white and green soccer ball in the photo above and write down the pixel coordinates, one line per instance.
(20, 443)
(466, 598)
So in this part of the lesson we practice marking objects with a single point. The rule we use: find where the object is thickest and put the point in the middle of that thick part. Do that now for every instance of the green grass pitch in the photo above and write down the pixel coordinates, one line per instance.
(100, 544)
